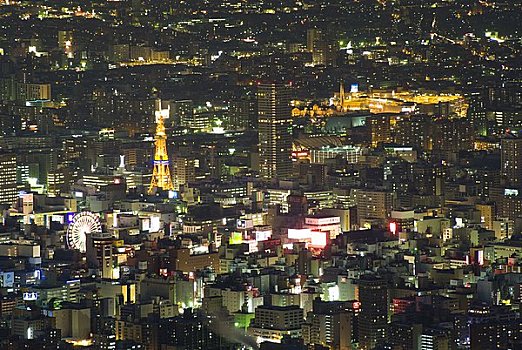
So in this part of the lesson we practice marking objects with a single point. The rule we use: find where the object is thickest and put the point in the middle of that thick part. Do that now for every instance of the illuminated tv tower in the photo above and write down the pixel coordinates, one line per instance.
(161, 174)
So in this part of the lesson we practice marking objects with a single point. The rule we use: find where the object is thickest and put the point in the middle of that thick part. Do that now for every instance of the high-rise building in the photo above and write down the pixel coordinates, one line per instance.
(435, 339)
(27, 321)
(373, 319)
(322, 47)
(33, 91)
(73, 320)
(183, 171)
(188, 331)
(183, 260)
(275, 141)
(503, 228)
(477, 112)
(200, 120)
(104, 341)
(100, 255)
(487, 214)
(494, 327)
(8, 190)
(405, 334)
(414, 131)
(451, 136)
(330, 324)
(182, 112)
(496, 335)
(241, 114)
(373, 205)
(272, 323)
(65, 38)
(55, 182)
(511, 158)
(136, 331)
(380, 129)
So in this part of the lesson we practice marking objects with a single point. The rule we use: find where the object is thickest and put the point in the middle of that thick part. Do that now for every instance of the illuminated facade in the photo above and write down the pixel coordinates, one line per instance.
(33, 92)
(100, 255)
(8, 190)
(161, 175)
(350, 153)
(275, 142)
(329, 224)
(332, 324)
(511, 154)
(380, 129)
(183, 171)
(272, 323)
(55, 182)
(373, 295)
(430, 103)
(321, 46)
(183, 260)
(373, 205)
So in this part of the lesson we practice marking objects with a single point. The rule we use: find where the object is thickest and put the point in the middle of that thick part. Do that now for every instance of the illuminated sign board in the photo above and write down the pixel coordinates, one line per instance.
(299, 234)
(319, 239)
(30, 296)
(393, 227)
(510, 192)
(7, 279)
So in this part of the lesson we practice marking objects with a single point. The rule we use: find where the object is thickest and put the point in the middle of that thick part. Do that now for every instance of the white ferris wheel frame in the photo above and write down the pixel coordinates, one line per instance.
(82, 224)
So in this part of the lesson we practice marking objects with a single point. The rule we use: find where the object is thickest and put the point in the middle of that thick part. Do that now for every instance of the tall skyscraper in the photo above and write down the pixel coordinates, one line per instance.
(274, 120)
(511, 157)
(8, 190)
(322, 47)
(373, 320)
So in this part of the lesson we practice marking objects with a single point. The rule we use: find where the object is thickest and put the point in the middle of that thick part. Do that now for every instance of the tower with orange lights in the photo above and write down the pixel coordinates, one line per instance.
(161, 178)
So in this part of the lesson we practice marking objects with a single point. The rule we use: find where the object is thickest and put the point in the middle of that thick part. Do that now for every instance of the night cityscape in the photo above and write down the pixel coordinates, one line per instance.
(261, 174)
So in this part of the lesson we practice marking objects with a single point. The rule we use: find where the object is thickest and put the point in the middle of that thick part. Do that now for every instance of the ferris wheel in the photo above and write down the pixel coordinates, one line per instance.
(82, 224)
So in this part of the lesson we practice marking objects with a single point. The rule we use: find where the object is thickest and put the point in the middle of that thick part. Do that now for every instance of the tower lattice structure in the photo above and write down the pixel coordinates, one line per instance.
(161, 175)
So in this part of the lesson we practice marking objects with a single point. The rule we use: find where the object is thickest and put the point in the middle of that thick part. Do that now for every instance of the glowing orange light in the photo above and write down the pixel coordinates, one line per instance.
(161, 177)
